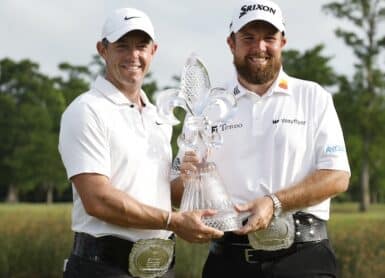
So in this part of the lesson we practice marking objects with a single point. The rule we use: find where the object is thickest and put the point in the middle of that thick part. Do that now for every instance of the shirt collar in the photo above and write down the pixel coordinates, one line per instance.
(280, 86)
(107, 89)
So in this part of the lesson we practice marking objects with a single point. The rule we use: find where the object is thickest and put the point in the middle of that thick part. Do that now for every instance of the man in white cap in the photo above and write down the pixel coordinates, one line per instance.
(118, 158)
(282, 159)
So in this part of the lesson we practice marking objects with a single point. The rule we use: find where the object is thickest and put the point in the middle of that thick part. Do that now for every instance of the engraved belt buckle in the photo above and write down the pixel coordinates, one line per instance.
(151, 258)
(278, 235)
(249, 256)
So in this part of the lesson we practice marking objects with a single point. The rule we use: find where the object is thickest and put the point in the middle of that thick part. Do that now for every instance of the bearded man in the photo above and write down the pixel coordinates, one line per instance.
(281, 162)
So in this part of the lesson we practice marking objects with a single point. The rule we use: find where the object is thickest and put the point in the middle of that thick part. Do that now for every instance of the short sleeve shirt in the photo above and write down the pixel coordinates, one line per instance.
(278, 139)
(103, 132)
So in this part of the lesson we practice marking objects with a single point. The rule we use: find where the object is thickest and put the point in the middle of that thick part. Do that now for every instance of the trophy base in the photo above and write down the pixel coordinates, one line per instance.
(228, 220)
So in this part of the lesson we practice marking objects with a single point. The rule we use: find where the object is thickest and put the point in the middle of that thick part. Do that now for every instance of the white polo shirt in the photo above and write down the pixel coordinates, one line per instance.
(103, 132)
(278, 139)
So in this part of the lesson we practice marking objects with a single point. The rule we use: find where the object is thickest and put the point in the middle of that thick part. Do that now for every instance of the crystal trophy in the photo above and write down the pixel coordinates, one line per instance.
(206, 107)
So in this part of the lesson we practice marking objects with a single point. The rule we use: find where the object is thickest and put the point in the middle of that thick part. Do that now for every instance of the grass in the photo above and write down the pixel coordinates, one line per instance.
(359, 239)
(36, 238)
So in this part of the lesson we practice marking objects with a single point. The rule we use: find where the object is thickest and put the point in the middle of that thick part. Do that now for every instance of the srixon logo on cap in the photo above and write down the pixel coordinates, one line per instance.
(247, 8)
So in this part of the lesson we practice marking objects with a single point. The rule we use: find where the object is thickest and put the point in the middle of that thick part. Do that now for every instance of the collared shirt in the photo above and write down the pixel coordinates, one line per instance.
(103, 132)
(276, 140)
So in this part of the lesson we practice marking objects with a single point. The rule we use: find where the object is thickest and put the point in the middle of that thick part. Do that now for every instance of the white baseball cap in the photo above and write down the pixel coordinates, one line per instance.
(125, 20)
(266, 10)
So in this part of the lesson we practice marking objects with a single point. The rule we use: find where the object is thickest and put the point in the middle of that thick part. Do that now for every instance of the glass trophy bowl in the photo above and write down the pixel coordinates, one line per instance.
(205, 190)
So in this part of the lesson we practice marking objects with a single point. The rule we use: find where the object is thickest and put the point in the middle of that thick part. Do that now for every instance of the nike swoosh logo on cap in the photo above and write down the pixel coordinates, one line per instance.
(128, 18)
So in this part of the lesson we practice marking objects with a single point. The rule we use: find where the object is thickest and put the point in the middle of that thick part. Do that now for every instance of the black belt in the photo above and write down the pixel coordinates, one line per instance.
(308, 230)
(106, 249)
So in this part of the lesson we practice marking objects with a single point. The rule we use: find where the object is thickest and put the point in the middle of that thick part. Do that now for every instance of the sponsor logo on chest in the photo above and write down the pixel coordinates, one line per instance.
(288, 121)
(226, 127)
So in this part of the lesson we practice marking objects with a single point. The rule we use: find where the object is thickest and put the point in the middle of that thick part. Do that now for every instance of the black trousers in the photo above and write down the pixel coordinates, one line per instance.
(305, 260)
(78, 267)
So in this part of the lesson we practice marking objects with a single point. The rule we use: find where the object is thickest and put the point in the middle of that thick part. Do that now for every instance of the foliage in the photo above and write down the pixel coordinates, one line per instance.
(311, 65)
(30, 124)
(360, 101)
(7, 123)
(75, 82)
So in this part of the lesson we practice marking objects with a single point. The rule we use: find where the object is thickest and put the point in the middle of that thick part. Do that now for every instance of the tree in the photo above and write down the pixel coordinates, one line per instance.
(97, 66)
(7, 131)
(366, 91)
(311, 65)
(76, 80)
(30, 120)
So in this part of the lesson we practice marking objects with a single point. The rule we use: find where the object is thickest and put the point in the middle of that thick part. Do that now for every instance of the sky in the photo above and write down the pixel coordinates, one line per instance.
(49, 32)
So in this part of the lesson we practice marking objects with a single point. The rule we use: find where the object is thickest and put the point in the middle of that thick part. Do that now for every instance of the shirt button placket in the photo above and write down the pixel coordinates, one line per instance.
(257, 113)
(138, 120)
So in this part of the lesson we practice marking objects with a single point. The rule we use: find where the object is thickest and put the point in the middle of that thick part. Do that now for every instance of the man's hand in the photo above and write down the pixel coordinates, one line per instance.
(189, 226)
(261, 211)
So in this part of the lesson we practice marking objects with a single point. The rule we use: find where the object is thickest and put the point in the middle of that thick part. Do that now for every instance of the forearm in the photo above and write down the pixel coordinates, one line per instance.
(121, 209)
(104, 201)
(315, 188)
(101, 200)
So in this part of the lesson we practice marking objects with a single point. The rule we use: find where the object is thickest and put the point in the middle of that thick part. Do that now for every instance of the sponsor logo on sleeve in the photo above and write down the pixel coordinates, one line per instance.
(334, 149)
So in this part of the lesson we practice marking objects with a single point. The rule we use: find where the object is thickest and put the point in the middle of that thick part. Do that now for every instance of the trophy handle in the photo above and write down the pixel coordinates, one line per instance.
(220, 105)
(166, 101)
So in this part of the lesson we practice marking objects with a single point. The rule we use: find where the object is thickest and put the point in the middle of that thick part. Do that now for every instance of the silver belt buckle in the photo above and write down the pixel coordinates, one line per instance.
(248, 256)
(151, 258)
(278, 235)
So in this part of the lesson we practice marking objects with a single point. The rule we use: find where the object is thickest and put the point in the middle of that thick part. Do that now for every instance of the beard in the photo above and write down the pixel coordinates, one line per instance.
(257, 74)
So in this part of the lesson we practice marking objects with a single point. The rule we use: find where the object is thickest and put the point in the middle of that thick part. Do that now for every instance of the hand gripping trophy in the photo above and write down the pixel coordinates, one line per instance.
(205, 107)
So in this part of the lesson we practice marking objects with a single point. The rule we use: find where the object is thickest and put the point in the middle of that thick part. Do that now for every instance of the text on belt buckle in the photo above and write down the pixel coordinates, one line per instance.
(151, 258)
(249, 254)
